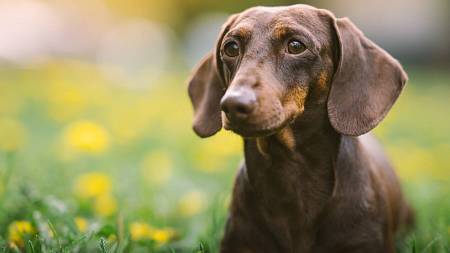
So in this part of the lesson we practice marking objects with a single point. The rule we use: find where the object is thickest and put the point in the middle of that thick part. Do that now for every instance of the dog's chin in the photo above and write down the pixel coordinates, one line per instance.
(254, 130)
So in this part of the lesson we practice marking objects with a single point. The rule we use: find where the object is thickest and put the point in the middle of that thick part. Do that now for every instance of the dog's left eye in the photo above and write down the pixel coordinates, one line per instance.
(295, 47)
(231, 49)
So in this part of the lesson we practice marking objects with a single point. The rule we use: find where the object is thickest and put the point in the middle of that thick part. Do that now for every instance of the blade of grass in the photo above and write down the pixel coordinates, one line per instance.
(55, 234)
(103, 246)
(31, 246)
(425, 249)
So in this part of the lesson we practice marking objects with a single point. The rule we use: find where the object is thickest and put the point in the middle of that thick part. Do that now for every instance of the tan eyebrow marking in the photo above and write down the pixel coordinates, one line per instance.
(243, 32)
(280, 31)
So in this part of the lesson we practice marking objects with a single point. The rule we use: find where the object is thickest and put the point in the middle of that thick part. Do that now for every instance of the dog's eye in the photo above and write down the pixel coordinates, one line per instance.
(231, 49)
(295, 47)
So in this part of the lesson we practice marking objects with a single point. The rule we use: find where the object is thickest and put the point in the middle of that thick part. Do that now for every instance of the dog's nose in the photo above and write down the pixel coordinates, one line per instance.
(238, 104)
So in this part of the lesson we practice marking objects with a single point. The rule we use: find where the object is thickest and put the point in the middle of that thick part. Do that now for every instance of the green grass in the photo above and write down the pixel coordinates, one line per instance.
(164, 176)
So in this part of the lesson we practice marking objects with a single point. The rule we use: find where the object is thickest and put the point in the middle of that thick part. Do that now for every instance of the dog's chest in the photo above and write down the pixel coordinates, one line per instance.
(290, 199)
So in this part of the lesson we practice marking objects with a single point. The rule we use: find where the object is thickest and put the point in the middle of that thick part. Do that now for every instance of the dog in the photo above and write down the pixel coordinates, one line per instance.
(303, 88)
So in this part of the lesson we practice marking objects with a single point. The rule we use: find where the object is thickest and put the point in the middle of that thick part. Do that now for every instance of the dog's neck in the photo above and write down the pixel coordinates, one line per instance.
(293, 169)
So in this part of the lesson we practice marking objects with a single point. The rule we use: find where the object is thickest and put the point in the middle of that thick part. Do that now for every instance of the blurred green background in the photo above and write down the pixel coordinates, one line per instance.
(96, 148)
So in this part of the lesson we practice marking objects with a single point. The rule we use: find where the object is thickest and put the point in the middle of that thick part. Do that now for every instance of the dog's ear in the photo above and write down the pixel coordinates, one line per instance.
(366, 83)
(206, 88)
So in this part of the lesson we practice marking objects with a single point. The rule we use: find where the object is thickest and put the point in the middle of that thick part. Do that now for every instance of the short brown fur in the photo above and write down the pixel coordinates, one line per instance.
(313, 181)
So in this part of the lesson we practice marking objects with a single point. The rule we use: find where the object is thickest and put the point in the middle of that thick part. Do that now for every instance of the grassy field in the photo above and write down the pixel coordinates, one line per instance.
(91, 166)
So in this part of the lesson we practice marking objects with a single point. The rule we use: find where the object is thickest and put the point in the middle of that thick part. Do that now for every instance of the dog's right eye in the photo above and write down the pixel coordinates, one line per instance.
(296, 47)
(231, 49)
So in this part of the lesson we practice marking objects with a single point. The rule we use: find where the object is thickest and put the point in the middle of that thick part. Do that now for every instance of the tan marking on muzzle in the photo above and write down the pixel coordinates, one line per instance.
(297, 96)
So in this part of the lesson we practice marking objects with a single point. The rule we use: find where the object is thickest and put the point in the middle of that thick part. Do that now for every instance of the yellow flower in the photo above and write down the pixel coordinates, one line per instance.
(191, 203)
(112, 238)
(143, 231)
(97, 186)
(140, 231)
(82, 224)
(17, 230)
(105, 205)
(12, 135)
(93, 184)
(157, 167)
(86, 136)
(162, 236)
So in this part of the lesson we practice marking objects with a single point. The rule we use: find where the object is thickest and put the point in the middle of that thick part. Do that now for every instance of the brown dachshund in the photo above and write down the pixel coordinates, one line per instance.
(302, 88)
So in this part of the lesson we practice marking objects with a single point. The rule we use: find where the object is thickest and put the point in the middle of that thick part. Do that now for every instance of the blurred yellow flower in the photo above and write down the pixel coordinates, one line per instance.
(97, 186)
(12, 135)
(86, 136)
(192, 203)
(112, 238)
(105, 205)
(156, 167)
(82, 224)
(18, 229)
(143, 231)
(93, 184)
(162, 235)
(140, 231)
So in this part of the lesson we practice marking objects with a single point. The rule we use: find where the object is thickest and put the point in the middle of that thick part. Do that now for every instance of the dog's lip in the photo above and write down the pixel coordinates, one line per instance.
(252, 131)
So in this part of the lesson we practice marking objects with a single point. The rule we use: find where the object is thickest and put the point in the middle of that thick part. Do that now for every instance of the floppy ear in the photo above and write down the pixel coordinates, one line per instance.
(205, 91)
(206, 88)
(366, 83)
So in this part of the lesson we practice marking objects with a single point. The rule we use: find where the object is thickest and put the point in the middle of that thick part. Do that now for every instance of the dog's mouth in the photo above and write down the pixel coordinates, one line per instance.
(266, 127)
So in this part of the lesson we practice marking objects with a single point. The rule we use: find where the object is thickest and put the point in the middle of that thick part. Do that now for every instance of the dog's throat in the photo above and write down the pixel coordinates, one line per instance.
(285, 137)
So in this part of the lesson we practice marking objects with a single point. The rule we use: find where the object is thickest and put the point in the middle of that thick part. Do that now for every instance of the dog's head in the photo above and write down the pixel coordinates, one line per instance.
(272, 64)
